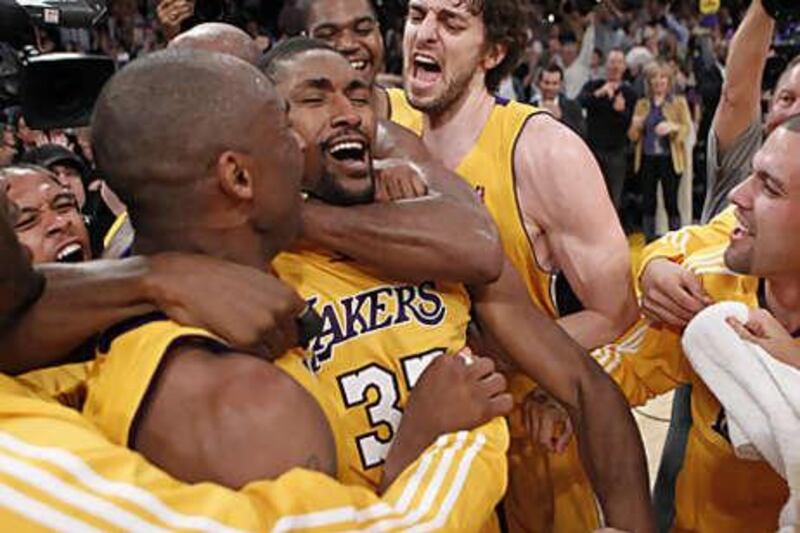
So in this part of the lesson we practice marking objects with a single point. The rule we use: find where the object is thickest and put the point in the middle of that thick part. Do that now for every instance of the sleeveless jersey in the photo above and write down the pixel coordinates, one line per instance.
(547, 492)
(715, 490)
(377, 337)
(128, 358)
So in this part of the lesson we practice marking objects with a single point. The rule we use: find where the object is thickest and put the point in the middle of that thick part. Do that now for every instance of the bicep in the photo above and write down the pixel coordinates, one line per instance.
(571, 205)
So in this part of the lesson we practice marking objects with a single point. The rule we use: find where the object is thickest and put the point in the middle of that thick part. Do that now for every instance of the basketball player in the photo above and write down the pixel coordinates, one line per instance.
(318, 87)
(571, 242)
(715, 490)
(61, 472)
(250, 195)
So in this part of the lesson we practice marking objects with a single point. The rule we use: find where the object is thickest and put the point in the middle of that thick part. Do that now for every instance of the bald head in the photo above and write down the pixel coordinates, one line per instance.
(165, 119)
(220, 38)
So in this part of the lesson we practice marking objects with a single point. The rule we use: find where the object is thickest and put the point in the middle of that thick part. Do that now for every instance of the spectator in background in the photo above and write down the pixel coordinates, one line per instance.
(551, 99)
(609, 105)
(8, 146)
(596, 65)
(661, 123)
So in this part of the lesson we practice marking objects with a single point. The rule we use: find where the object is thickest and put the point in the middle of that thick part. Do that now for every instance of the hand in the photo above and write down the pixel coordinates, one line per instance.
(251, 310)
(664, 128)
(671, 294)
(607, 90)
(397, 179)
(172, 13)
(456, 392)
(764, 330)
(638, 122)
(546, 421)
(619, 103)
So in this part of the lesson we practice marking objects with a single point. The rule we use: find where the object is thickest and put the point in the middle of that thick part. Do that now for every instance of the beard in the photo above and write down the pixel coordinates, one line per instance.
(454, 89)
(739, 261)
(345, 191)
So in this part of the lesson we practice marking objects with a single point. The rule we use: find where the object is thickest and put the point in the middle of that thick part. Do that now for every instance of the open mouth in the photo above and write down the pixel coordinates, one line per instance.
(741, 230)
(71, 253)
(359, 64)
(352, 154)
(426, 68)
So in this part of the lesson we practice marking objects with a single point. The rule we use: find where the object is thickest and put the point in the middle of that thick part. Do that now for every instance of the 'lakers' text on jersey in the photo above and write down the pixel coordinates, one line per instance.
(377, 338)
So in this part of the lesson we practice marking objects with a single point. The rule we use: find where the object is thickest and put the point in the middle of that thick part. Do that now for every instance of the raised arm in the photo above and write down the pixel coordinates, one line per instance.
(561, 191)
(445, 235)
(740, 103)
(609, 443)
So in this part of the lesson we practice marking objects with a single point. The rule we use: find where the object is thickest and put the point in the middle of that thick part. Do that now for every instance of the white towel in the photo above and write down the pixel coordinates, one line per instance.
(760, 394)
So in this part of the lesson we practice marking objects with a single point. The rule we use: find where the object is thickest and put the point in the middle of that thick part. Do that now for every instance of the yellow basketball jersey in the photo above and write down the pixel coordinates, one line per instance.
(59, 472)
(546, 492)
(715, 491)
(127, 361)
(377, 337)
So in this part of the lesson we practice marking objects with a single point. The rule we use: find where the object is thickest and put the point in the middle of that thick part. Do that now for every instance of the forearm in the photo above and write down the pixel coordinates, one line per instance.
(78, 302)
(747, 58)
(433, 237)
(619, 477)
(591, 328)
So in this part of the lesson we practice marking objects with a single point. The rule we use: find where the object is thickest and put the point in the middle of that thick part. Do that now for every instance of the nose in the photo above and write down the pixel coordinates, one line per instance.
(742, 195)
(426, 30)
(344, 114)
(346, 43)
(57, 223)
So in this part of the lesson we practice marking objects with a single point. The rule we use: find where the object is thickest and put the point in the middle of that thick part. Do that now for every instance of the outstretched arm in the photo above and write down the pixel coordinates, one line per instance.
(445, 235)
(608, 439)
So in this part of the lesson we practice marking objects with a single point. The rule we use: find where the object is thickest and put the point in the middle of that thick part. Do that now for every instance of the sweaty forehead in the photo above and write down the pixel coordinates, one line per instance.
(791, 80)
(463, 7)
(338, 12)
(778, 157)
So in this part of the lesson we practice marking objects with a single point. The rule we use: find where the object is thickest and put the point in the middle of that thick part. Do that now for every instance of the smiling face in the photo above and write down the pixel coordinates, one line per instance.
(444, 53)
(329, 107)
(768, 211)
(48, 222)
(351, 28)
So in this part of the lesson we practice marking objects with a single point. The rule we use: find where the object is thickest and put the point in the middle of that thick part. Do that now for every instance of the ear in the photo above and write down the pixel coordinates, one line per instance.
(235, 175)
(494, 55)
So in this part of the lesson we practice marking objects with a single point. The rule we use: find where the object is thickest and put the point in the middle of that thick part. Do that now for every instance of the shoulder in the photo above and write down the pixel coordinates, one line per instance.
(545, 137)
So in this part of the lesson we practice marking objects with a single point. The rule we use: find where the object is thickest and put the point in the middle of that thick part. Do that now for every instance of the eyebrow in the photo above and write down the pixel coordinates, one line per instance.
(316, 83)
(357, 84)
(773, 180)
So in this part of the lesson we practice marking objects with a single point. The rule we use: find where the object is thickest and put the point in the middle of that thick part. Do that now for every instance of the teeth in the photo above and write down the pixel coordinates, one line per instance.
(358, 65)
(347, 146)
(425, 60)
(67, 250)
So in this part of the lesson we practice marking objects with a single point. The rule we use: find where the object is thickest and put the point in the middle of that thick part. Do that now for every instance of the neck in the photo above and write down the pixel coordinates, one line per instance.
(237, 245)
(451, 133)
(783, 300)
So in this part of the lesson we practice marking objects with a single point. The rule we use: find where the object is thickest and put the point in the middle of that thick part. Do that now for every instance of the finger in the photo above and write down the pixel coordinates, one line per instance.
(740, 330)
(480, 368)
(420, 189)
(692, 283)
(406, 189)
(494, 384)
(766, 324)
(501, 405)
(381, 194)
(667, 302)
(565, 437)
(661, 314)
(547, 432)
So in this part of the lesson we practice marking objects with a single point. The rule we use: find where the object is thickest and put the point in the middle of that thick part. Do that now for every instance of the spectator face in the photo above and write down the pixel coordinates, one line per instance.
(70, 177)
(8, 148)
(596, 59)
(768, 211)
(443, 53)
(351, 28)
(660, 81)
(569, 52)
(48, 222)
(615, 66)
(786, 101)
(330, 108)
(550, 85)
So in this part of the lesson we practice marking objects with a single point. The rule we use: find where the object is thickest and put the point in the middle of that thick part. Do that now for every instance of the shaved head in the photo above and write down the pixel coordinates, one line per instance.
(220, 38)
(197, 138)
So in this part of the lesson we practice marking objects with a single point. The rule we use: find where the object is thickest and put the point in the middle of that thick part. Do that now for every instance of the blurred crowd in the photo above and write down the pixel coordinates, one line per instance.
(613, 71)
